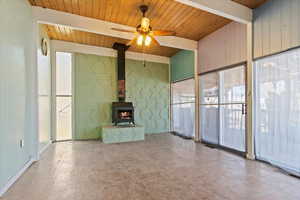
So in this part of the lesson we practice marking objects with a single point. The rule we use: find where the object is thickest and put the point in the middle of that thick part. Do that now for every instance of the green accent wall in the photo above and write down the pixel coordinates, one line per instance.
(182, 65)
(96, 88)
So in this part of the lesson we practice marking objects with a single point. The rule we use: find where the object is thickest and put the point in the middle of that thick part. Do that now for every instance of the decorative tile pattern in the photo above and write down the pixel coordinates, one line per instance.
(148, 88)
(95, 89)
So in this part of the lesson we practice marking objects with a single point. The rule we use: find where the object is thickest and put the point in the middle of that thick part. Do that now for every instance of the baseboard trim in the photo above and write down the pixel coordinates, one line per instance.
(16, 177)
(45, 148)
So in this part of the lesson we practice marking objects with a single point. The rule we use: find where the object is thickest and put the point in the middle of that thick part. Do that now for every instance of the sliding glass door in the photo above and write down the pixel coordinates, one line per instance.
(222, 108)
(277, 110)
(183, 108)
(232, 108)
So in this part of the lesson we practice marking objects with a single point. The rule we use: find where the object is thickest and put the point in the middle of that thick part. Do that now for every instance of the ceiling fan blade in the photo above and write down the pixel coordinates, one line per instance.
(163, 33)
(154, 40)
(132, 41)
(122, 30)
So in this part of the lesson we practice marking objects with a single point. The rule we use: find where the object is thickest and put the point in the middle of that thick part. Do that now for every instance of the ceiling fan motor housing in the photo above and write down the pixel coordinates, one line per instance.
(144, 9)
(144, 27)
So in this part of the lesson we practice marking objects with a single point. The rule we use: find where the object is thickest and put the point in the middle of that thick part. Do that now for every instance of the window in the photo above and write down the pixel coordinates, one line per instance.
(277, 110)
(183, 108)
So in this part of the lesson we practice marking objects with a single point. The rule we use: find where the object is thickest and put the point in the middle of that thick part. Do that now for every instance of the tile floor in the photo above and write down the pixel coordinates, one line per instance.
(162, 167)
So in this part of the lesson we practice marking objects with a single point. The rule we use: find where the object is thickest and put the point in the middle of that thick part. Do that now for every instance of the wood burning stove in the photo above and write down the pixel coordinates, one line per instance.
(122, 112)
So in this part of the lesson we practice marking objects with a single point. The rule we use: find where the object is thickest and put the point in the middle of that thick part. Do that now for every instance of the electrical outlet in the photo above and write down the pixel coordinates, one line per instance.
(21, 143)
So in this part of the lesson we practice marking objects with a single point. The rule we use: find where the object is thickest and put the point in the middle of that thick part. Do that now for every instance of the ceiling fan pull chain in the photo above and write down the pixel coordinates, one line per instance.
(144, 60)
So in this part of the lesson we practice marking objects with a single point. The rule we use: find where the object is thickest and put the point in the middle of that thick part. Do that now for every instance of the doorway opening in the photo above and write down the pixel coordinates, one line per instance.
(63, 97)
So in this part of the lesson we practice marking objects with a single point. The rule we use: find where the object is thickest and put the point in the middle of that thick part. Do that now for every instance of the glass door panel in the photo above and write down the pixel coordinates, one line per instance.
(209, 108)
(232, 126)
(183, 91)
(209, 89)
(183, 119)
(63, 118)
(209, 123)
(183, 108)
(63, 96)
(232, 84)
(232, 108)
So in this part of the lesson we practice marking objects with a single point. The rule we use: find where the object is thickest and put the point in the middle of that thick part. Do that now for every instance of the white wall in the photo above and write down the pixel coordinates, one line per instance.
(224, 47)
(276, 27)
(44, 91)
(17, 88)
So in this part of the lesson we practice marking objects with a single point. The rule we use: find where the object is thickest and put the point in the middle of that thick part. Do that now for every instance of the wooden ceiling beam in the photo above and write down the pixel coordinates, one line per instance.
(224, 8)
(76, 22)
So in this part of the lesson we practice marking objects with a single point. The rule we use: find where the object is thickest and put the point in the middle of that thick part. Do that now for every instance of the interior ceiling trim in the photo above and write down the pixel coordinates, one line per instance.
(64, 33)
(71, 47)
(53, 17)
(224, 8)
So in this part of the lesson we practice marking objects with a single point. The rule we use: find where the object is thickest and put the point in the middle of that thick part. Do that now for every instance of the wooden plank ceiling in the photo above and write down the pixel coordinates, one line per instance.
(69, 35)
(186, 21)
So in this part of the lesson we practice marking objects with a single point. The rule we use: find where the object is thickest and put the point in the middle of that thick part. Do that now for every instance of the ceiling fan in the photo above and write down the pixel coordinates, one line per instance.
(144, 34)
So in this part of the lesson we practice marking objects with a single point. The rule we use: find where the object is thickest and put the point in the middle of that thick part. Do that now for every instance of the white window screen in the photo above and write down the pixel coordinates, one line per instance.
(183, 108)
(277, 110)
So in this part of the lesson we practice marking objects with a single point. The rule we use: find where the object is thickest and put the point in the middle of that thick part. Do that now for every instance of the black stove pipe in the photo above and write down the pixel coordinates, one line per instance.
(121, 49)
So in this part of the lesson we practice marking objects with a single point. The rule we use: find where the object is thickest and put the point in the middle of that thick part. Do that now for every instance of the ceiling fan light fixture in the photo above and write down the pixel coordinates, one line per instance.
(140, 40)
(144, 35)
(147, 40)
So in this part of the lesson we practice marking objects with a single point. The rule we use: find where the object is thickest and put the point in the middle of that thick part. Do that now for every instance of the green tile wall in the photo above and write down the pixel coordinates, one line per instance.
(95, 89)
(112, 135)
(182, 65)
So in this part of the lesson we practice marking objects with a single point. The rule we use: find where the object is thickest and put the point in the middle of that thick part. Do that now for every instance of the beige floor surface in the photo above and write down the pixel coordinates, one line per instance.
(163, 167)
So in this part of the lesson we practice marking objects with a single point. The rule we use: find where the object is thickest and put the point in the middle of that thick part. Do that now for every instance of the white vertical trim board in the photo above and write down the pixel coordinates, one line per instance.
(53, 93)
(16, 177)
(197, 98)
(73, 96)
(62, 46)
(250, 99)
(35, 118)
(170, 100)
